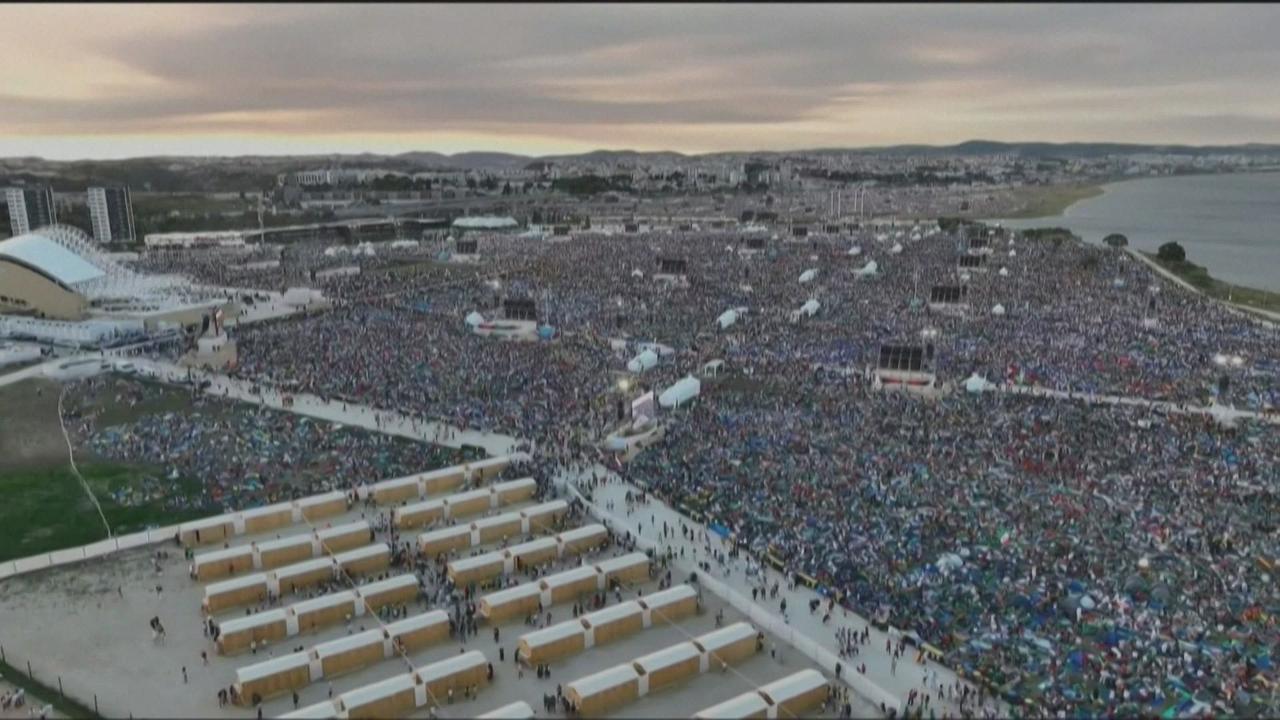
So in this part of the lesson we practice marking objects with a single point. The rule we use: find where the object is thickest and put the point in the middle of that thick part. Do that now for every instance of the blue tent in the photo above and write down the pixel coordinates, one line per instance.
(1076, 660)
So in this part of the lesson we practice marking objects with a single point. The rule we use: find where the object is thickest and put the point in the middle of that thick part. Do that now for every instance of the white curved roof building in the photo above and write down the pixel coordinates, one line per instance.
(48, 258)
(58, 272)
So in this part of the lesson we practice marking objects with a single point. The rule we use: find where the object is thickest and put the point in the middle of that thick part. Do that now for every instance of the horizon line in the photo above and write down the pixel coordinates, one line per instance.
(687, 154)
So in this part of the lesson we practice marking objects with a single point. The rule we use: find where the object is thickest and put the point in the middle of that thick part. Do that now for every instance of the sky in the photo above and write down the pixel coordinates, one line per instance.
(109, 81)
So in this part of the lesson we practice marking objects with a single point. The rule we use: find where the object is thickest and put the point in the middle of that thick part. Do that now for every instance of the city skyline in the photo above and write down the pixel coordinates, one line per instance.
(128, 80)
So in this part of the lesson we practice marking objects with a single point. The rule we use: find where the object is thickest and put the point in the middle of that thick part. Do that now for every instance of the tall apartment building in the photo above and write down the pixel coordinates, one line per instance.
(111, 210)
(30, 208)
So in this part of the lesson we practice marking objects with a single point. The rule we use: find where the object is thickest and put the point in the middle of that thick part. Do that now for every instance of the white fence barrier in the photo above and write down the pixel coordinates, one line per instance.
(98, 549)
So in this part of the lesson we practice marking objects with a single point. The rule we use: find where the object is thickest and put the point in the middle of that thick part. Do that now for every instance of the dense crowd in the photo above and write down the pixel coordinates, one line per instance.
(279, 267)
(1100, 559)
(235, 455)
(1075, 318)
(1061, 549)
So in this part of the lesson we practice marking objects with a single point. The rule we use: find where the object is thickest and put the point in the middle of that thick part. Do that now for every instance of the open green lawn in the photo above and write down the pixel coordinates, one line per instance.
(43, 507)
(46, 509)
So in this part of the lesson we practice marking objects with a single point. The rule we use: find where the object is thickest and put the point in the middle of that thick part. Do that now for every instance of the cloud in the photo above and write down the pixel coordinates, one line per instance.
(779, 75)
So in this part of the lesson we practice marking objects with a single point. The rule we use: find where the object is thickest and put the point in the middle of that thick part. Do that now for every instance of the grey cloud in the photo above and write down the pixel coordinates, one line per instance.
(396, 67)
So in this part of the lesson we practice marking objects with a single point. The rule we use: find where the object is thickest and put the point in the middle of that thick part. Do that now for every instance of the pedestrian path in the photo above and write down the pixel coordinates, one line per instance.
(356, 415)
(1220, 412)
(897, 677)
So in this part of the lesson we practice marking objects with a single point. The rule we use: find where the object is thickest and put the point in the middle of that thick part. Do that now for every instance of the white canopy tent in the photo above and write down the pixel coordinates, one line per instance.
(976, 384)
(681, 392)
(644, 361)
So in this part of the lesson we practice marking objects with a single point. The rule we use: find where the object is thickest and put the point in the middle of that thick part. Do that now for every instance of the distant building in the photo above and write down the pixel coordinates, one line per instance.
(111, 210)
(30, 208)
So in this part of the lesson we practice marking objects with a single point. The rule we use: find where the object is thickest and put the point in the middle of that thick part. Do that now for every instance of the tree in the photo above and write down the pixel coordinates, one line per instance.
(1115, 240)
(1171, 252)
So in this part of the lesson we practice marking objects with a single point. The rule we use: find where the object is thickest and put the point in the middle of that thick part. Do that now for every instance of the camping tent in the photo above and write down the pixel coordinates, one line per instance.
(976, 384)
(808, 275)
(727, 318)
(997, 310)
(681, 392)
(299, 296)
(644, 361)
(869, 269)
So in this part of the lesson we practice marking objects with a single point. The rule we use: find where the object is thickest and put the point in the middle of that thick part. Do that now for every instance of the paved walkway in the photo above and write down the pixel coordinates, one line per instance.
(1220, 412)
(898, 678)
(389, 422)
(1250, 312)
(26, 372)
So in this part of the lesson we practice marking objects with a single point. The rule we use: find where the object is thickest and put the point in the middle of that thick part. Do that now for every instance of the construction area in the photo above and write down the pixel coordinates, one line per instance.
(441, 594)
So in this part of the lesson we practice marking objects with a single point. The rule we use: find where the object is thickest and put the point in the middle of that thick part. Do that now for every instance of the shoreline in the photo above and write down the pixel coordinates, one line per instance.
(1261, 302)
(1053, 201)
(1101, 187)
(1198, 279)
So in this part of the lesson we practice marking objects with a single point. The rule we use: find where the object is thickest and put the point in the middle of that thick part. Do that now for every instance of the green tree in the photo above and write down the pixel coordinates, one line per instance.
(1115, 240)
(1171, 252)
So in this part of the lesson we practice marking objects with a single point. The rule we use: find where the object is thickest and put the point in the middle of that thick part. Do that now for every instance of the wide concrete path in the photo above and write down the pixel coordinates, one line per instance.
(646, 521)
(385, 421)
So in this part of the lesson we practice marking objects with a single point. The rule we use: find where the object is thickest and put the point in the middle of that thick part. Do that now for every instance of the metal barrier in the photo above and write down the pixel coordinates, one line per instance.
(47, 689)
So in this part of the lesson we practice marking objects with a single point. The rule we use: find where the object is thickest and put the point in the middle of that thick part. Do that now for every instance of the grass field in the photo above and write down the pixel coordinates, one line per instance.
(1049, 201)
(38, 694)
(43, 507)
(47, 509)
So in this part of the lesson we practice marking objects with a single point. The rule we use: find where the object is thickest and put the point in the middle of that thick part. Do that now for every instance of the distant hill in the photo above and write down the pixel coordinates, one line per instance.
(1045, 149)
(222, 174)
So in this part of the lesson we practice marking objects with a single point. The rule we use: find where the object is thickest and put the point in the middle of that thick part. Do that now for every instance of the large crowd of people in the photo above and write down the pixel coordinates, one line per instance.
(1039, 543)
(231, 455)
(1095, 558)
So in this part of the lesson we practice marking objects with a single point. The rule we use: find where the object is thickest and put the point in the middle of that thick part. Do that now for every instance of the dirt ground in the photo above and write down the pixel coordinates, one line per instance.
(30, 436)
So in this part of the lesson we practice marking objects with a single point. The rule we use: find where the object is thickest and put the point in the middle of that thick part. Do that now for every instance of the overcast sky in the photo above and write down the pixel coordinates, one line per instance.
(126, 80)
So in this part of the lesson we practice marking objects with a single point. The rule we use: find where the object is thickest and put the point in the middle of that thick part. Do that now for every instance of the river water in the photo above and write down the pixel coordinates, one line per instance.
(1228, 223)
